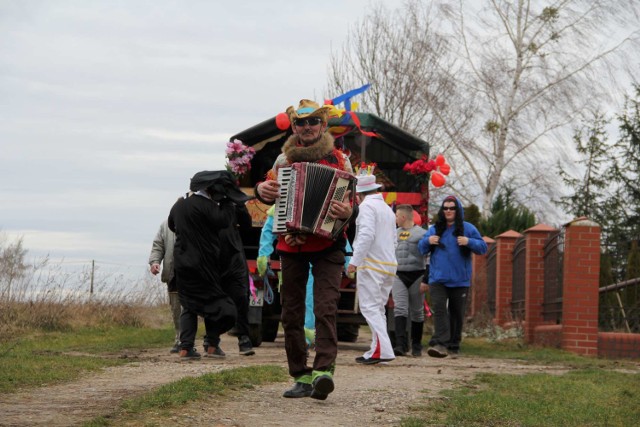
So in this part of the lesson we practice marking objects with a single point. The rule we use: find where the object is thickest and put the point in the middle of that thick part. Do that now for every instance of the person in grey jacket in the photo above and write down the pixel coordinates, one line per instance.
(162, 253)
(407, 290)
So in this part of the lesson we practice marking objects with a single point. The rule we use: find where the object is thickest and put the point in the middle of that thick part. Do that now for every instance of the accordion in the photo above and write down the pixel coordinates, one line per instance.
(306, 192)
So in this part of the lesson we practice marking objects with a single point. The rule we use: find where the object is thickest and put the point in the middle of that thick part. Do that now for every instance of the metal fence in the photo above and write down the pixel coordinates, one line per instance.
(553, 257)
(491, 277)
(518, 279)
(619, 309)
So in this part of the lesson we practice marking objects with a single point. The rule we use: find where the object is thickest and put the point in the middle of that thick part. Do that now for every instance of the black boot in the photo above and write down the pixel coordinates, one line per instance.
(401, 336)
(299, 390)
(416, 338)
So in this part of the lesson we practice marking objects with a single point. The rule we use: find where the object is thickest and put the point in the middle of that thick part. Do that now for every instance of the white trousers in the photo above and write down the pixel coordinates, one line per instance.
(373, 293)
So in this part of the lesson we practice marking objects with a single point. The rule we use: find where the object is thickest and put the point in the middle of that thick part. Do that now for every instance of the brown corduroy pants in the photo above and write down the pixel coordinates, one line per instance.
(327, 274)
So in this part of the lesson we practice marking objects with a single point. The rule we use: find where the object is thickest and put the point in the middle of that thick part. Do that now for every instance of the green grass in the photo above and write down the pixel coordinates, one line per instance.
(190, 389)
(514, 349)
(42, 358)
(578, 398)
(592, 394)
(181, 392)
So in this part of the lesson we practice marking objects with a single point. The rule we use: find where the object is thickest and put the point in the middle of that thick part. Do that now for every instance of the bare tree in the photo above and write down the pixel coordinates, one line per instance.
(504, 84)
(397, 52)
(12, 264)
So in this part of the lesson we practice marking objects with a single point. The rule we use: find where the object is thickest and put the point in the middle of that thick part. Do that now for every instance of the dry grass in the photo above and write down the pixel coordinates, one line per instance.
(48, 298)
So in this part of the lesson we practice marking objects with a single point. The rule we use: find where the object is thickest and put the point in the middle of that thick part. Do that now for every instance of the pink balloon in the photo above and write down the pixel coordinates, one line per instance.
(282, 121)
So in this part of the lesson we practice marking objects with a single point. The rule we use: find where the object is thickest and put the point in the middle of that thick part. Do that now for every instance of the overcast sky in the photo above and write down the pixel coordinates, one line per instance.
(107, 108)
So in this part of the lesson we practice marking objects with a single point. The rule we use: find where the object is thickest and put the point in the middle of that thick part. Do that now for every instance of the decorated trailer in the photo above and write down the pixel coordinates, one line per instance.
(365, 138)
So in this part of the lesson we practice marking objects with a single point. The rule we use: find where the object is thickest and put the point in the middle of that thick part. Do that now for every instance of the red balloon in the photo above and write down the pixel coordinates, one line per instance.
(282, 121)
(437, 179)
(445, 169)
(416, 218)
(440, 160)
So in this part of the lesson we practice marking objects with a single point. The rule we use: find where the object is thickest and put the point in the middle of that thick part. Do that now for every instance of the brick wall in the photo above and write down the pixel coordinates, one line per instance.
(548, 335)
(581, 271)
(619, 345)
(578, 332)
(536, 237)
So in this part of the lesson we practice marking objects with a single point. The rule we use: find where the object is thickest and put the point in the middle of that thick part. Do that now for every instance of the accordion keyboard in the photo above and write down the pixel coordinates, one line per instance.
(280, 214)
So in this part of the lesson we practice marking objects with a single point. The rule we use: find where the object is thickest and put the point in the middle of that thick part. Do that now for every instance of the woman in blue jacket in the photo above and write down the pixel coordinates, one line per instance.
(450, 241)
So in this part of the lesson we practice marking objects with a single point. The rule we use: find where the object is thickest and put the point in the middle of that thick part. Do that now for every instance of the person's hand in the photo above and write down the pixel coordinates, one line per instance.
(261, 263)
(424, 288)
(463, 241)
(341, 210)
(434, 240)
(154, 268)
(295, 239)
(351, 271)
(269, 190)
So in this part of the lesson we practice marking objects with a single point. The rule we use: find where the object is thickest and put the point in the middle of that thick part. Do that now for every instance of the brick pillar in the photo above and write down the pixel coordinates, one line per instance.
(479, 282)
(581, 271)
(536, 237)
(504, 275)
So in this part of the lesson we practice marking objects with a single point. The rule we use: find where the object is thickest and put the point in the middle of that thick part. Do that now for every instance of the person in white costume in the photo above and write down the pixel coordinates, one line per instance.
(374, 259)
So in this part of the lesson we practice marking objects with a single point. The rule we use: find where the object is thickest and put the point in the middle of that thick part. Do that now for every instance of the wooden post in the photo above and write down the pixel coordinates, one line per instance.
(93, 269)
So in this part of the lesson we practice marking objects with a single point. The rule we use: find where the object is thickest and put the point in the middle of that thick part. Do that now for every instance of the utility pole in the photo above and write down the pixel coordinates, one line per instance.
(93, 269)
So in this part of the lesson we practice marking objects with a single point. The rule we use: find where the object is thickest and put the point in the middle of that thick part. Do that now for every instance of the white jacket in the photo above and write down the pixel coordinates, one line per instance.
(375, 243)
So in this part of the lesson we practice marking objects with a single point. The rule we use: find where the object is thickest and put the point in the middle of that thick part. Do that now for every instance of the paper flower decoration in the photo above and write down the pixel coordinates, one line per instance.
(239, 157)
(423, 168)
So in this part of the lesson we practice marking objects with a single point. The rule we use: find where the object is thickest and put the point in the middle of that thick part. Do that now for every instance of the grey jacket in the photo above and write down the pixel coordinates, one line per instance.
(162, 251)
(407, 252)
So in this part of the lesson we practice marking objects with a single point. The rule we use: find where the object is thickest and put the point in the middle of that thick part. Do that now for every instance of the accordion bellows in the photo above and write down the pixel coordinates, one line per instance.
(306, 192)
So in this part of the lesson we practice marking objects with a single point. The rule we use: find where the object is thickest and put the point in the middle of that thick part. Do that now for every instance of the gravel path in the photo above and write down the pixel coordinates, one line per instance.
(364, 395)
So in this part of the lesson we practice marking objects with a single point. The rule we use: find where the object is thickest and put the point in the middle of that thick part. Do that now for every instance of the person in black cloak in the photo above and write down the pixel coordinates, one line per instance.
(201, 223)
(234, 273)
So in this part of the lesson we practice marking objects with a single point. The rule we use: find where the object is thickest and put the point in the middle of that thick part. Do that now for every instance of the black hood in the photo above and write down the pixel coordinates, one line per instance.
(221, 183)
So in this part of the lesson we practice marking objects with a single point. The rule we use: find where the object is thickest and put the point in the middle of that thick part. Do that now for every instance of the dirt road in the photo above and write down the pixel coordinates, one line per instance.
(364, 395)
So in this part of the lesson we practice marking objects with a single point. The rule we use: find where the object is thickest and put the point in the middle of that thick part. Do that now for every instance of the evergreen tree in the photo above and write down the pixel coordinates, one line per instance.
(590, 188)
(632, 293)
(506, 215)
(606, 272)
(627, 168)
(472, 214)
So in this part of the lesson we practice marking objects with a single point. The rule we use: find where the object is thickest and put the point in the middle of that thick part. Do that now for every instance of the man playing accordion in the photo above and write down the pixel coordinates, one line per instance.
(300, 253)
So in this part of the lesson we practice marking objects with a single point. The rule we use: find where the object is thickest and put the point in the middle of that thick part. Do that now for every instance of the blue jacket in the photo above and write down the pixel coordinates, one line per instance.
(451, 265)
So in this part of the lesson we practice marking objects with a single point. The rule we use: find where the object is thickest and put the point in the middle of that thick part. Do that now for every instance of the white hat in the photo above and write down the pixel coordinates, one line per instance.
(366, 183)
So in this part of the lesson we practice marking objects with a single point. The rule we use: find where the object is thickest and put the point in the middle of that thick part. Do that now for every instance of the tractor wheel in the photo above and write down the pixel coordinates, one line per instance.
(348, 332)
(255, 334)
(269, 329)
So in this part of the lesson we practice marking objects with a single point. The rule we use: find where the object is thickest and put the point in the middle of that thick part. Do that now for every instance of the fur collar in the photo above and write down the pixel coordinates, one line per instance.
(315, 152)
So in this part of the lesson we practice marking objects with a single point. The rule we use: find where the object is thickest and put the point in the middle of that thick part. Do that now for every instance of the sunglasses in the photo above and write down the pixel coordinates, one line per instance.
(448, 208)
(311, 121)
